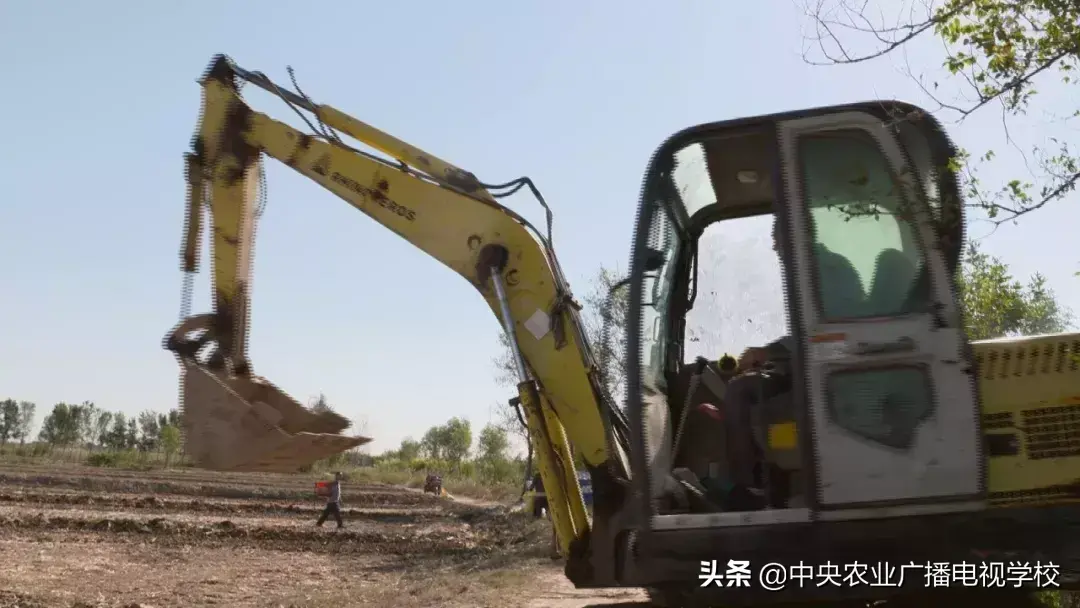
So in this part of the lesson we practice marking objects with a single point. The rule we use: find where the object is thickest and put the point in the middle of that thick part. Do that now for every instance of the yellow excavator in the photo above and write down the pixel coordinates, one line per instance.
(895, 443)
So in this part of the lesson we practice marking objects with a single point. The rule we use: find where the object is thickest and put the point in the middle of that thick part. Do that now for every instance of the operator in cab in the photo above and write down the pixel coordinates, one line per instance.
(757, 356)
(750, 388)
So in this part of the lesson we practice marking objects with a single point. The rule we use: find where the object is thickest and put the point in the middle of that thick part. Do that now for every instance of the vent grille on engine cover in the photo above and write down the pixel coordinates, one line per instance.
(1038, 378)
(1001, 359)
(1052, 432)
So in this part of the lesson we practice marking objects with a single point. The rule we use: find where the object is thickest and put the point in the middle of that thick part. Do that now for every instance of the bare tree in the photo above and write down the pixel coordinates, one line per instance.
(319, 404)
(102, 423)
(604, 321)
(9, 419)
(26, 420)
(360, 427)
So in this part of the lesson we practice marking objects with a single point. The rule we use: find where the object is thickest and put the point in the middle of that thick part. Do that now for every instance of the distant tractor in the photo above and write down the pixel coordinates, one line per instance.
(433, 484)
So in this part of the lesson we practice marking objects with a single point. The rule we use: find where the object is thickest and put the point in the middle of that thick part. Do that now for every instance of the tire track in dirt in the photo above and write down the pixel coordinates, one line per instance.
(364, 495)
(440, 540)
(167, 504)
(254, 482)
(73, 539)
(78, 570)
(442, 533)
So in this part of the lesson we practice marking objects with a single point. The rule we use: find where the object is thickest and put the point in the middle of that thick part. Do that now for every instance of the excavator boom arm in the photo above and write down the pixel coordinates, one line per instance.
(437, 208)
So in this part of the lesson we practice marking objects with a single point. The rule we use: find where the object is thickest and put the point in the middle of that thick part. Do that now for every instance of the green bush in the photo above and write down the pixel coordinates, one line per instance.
(126, 459)
(102, 459)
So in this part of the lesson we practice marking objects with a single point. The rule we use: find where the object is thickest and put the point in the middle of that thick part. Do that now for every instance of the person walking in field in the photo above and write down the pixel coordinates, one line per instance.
(333, 503)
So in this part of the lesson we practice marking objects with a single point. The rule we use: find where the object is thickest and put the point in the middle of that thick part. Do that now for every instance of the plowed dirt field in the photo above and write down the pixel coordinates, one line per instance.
(85, 537)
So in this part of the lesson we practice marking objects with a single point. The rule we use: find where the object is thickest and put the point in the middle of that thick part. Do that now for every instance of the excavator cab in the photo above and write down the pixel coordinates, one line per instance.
(876, 340)
(862, 440)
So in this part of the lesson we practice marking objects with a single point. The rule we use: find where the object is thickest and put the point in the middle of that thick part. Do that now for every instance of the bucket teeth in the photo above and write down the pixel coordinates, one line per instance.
(248, 424)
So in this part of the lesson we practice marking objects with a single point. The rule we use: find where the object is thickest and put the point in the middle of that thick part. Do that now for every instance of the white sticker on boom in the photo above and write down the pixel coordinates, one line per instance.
(539, 324)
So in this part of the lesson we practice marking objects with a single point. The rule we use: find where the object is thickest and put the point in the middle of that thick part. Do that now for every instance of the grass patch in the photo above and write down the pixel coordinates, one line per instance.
(42, 454)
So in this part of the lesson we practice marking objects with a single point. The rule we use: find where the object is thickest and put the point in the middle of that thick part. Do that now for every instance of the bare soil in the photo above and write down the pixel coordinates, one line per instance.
(77, 537)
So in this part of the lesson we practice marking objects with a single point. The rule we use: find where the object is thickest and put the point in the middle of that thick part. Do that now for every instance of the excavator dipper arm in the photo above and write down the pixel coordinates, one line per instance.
(438, 208)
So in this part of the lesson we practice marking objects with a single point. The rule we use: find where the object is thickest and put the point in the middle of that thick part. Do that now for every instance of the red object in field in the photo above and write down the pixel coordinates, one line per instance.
(322, 488)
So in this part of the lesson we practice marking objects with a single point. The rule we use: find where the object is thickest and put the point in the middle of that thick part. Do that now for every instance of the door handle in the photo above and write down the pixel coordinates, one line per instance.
(901, 345)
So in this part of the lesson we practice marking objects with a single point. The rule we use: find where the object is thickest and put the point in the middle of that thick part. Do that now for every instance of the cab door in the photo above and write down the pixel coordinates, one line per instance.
(892, 409)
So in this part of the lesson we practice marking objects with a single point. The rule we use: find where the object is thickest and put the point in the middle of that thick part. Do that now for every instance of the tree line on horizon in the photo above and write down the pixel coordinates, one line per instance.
(88, 426)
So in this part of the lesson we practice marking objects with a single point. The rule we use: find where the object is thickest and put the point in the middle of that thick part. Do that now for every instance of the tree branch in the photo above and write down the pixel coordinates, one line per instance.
(997, 50)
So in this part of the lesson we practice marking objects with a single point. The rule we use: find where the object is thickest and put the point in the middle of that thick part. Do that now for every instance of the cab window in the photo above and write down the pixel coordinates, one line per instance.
(866, 252)
(868, 262)
(739, 300)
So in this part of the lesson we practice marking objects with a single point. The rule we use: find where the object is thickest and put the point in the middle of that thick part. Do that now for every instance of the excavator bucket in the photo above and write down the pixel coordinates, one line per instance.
(248, 424)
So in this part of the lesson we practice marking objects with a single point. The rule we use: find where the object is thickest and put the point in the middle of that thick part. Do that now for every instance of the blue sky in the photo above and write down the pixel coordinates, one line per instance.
(101, 101)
